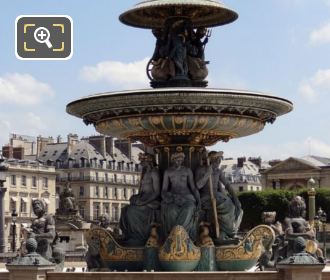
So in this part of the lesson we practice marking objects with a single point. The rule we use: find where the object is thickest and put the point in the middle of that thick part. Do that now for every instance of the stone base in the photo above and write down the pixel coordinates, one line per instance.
(301, 272)
(24, 272)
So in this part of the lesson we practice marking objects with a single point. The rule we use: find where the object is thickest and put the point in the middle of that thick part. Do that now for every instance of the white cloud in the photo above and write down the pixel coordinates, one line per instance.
(23, 89)
(319, 83)
(321, 35)
(34, 122)
(281, 151)
(120, 74)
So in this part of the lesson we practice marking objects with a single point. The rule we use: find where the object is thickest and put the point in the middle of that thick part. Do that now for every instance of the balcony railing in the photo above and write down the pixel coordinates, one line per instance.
(97, 166)
(98, 180)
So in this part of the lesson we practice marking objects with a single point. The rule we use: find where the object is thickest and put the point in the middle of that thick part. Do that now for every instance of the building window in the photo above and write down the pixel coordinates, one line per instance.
(13, 180)
(23, 205)
(97, 176)
(24, 180)
(45, 182)
(69, 176)
(81, 175)
(274, 185)
(116, 213)
(106, 192)
(115, 193)
(106, 208)
(82, 211)
(81, 191)
(106, 177)
(96, 211)
(124, 178)
(241, 188)
(125, 193)
(97, 191)
(34, 181)
(12, 205)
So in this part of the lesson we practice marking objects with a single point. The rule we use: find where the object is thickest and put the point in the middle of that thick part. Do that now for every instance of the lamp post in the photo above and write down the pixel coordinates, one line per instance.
(311, 201)
(3, 177)
(13, 218)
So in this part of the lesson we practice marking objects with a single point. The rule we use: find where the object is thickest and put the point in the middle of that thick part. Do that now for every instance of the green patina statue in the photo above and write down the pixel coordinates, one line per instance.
(137, 218)
(228, 212)
(43, 231)
(180, 198)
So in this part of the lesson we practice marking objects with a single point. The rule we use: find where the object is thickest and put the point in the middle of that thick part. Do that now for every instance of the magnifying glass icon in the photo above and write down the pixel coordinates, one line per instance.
(42, 35)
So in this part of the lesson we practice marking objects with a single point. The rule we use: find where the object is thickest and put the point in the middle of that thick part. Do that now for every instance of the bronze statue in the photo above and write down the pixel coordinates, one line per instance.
(295, 225)
(137, 218)
(43, 231)
(180, 198)
(104, 221)
(67, 203)
(227, 207)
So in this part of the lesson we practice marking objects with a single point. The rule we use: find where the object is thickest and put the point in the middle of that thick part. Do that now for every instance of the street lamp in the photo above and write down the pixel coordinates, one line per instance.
(13, 218)
(311, 201)
(3, 177)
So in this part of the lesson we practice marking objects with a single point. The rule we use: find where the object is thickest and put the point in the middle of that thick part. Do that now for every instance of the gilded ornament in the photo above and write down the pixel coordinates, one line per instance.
(179, 247)
(248, 249)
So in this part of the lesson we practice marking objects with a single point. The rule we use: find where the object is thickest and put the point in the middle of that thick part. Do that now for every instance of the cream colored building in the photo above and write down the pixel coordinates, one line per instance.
(26, 181)
(102, 176)
(294, 173)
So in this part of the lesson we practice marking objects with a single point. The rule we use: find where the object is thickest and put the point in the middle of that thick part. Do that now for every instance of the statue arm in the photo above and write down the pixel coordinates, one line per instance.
(231, 192)
(202, 177)
(193, 188)
(290, 234)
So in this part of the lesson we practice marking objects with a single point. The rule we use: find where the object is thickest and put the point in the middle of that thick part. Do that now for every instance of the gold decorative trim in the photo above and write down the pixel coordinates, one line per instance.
(248, 249)
(179, 247)
(110, 250)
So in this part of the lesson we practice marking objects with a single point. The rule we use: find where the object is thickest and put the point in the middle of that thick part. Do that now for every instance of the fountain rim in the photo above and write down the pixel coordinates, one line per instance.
(237, 92)
(127, 17)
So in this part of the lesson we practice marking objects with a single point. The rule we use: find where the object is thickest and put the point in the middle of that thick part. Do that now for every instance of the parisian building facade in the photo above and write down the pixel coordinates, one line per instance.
(25, 181)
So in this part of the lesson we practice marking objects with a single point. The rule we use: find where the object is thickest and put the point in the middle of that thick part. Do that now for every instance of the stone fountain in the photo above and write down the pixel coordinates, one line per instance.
(179, 114)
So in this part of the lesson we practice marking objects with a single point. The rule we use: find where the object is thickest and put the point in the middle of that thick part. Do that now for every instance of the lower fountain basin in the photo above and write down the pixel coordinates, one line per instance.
(179, 115)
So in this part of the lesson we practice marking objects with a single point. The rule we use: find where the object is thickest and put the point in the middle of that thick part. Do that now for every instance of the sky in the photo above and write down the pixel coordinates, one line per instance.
(279, 47)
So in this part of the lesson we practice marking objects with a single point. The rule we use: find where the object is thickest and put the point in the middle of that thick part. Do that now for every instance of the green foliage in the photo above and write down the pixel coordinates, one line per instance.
(254, 203)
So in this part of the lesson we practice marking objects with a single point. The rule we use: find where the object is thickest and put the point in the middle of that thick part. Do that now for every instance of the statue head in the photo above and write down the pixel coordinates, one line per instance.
(201, 32)
(297, 207)
(147, 159)
(38, 207)
(104, 220)
(215, 158)
(177, 158)
(268, 217)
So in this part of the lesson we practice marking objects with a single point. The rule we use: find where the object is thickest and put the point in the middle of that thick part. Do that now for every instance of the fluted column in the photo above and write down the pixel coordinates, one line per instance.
(2, 218)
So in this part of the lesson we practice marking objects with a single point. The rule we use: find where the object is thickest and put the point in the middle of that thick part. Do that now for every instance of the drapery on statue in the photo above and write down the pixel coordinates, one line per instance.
(137, 218)
(67, 202)
(180, 198)
(228, 207)
(43, 231)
